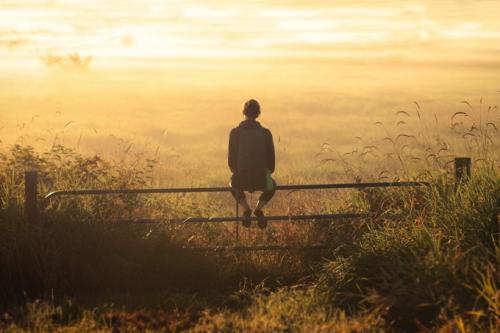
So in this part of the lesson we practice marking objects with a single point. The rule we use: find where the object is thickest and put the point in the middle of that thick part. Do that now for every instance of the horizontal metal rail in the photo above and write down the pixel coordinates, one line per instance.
(317, 217)
(227, 189)
(255, 248)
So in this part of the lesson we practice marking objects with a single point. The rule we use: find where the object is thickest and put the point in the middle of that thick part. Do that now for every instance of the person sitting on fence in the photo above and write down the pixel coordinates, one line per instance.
(252, 161)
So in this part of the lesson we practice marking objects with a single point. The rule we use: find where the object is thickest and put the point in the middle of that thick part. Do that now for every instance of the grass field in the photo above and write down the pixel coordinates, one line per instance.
(427, 262)
(141, 94)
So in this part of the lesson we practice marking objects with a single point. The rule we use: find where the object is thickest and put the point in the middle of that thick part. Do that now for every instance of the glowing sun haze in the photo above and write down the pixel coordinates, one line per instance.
(124, 32)
(143, 68)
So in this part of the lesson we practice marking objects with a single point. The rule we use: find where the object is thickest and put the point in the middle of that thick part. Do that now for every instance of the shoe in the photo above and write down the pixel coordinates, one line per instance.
(261, 219)
(247, 220)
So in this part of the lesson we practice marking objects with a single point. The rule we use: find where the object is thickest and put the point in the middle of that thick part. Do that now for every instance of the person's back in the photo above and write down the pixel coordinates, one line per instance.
(252, 144)
(251, 155)
(251, 160)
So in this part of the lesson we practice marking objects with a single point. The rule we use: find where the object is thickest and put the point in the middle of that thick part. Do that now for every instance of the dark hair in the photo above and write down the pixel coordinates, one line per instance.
(251, 108)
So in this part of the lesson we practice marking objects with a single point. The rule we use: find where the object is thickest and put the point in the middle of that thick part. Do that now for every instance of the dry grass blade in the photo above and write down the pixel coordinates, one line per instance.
(400, 136)
(458, 114)
(383, 172)
(449, 163)
(128, 148)
(446, 156)
(466, 103)
(492, 125)
(365, 153)
(431, 155)
(325, 160)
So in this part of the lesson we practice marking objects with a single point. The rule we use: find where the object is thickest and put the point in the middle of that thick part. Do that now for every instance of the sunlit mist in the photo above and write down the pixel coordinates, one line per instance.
(154, 29)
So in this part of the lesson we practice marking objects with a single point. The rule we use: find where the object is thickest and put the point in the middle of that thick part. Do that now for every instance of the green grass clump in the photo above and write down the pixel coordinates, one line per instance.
(289, 310)
(428, 266)
(78, 247)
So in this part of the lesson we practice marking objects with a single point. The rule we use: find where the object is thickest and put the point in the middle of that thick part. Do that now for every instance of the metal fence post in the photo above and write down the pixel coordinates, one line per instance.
(30, 196)
(462, 169)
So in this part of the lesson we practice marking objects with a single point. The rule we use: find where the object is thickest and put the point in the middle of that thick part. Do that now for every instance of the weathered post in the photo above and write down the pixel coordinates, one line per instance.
(496, 223)
(237, 222)
(30, 196)
(462, 169)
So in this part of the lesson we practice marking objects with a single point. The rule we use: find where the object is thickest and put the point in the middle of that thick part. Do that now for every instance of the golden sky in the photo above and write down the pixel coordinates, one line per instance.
(96, 59)
(145, 33)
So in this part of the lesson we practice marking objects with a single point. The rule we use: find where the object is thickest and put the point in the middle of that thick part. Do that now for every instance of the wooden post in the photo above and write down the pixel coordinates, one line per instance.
(30, 196)
(237, 223)
(462, 169)
(496, 222)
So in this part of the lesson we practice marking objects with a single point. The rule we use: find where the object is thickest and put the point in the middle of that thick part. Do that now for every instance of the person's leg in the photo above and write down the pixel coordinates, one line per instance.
(265, 197)
(241, 199)
(237, 192)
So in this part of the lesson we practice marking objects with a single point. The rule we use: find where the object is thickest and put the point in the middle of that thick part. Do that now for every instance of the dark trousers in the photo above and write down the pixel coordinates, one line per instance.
(239, 193)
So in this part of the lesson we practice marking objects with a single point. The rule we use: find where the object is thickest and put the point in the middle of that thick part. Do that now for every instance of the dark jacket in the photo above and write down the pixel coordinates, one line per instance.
(251, 163)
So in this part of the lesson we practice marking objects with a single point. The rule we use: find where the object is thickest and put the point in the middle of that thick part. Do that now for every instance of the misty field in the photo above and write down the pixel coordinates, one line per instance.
(427, 261)
(143, 94)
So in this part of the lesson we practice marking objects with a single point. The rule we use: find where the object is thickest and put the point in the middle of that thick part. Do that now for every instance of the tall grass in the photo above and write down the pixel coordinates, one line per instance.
(424, 266)
(79, 247)
(428, 261)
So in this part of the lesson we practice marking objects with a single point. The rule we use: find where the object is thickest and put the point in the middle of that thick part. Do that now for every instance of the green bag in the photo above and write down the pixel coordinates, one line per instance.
(269, 181)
